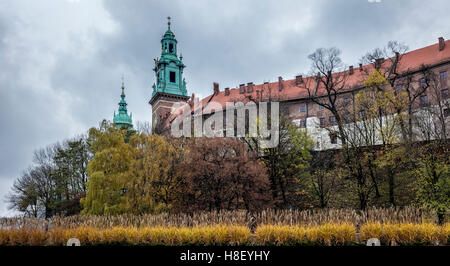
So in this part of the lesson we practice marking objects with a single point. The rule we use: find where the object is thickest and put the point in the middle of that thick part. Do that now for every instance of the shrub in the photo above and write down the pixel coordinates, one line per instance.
(326, 234)
(332, 234)
(405, 234)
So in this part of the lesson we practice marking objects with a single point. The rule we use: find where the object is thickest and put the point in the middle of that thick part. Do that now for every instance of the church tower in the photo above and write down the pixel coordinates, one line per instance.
(122, 120)
(170, 86)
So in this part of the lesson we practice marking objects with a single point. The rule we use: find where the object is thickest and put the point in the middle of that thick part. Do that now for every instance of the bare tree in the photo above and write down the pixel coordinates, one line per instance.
(329, 82)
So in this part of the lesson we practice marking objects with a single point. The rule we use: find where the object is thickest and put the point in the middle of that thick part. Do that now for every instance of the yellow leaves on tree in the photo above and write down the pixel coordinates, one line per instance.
(138, 176)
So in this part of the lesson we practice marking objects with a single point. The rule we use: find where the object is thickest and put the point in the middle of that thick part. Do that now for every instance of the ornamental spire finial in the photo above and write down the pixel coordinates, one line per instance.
(123, 86)
(168, 22)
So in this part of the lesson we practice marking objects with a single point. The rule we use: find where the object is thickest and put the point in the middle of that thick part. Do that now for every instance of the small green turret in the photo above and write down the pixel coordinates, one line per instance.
(122, 120)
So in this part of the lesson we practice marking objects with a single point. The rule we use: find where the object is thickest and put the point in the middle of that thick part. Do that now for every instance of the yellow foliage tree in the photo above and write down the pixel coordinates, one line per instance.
(138, 176)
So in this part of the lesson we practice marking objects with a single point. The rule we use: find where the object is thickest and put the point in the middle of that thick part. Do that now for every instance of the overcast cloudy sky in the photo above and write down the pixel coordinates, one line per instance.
(61, 61)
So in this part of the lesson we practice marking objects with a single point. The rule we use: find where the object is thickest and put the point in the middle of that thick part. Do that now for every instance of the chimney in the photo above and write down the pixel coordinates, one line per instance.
(227, 91)
(216, 88)
(298, 80)
(250, 87)
(192, 100)
(441, 43)
(351, 71)
(242, 88)
(360, 68)
(280, 83)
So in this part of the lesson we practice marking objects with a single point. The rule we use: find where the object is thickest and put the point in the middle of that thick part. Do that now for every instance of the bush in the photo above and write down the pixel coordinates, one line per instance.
(326, 234)
(405, 234)
(22, 237)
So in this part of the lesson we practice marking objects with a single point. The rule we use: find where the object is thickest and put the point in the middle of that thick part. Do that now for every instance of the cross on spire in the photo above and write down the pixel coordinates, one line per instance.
(123, 87)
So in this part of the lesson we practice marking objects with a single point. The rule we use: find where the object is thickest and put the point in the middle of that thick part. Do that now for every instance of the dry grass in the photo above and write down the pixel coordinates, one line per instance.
(242, 218)
(330, 234)
(407, 233)
(170, 236)
(326, 234)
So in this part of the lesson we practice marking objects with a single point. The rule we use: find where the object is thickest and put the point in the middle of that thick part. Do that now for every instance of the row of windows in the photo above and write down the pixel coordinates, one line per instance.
(303, 106)
(334, 137)
(362, 113)
(423, 81)
(423, 99)
(398, 88)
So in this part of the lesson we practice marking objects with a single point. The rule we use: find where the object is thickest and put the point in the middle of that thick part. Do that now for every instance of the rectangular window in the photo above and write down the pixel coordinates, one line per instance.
(444, 93)
(423, 100)
(423, 82)
(443, 75)
(447, 112)
(348, 118)
(322, 121)
(321, 107)
(346, 100)
(398, 88)
(303, 123)
(172, 77)
(303, 108)
(362, 114)
(332, 120)
(333, 139)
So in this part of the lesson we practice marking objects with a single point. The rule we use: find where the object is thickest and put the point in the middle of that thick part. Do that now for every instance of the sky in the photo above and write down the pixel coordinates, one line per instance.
(61, 61)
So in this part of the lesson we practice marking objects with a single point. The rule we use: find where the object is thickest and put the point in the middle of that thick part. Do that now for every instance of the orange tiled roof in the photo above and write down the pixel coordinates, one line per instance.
(410, 61)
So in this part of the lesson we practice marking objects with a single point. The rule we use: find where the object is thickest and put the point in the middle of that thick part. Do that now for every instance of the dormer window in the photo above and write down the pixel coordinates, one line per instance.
(172, 76)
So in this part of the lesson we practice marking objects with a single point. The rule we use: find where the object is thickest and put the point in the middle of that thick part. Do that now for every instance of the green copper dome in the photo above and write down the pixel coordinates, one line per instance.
(122, 119)
(169, 67)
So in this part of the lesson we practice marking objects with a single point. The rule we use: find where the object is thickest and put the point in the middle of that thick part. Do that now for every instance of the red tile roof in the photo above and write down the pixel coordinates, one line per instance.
(410, 61)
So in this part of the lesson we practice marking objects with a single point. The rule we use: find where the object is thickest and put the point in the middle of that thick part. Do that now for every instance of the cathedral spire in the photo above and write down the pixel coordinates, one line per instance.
(170, 86)
(169, 67)
(122, 119)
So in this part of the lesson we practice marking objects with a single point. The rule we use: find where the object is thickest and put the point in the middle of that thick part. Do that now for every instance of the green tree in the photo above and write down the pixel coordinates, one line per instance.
(109, 171)
(70, 175)
(155, 173)
(433, 178)
(287, 164)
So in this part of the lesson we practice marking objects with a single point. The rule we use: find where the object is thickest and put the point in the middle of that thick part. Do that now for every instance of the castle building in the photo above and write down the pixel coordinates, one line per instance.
(122, 120)
(170, 86)
(294, 95)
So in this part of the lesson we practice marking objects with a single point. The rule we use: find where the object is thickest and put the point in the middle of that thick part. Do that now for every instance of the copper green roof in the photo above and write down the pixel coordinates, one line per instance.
(122, 119)
(169, 68)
